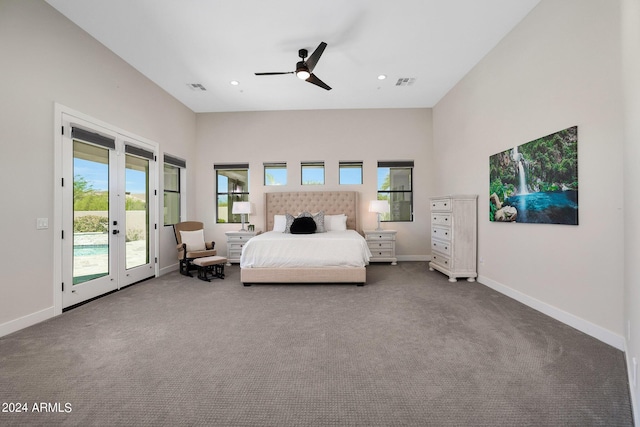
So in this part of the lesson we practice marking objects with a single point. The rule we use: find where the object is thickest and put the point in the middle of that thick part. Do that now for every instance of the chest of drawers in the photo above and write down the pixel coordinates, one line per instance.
(454, 222)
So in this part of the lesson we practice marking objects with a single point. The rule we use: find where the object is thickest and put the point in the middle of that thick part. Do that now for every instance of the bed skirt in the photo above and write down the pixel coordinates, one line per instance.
(304, 275)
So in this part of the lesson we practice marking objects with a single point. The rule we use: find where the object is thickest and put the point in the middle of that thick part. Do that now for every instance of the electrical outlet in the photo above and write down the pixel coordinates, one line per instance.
(481, 260)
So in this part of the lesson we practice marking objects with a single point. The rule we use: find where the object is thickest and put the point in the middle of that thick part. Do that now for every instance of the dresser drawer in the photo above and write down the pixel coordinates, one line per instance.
(440, 219)
(235, 246)
(238, 239)
(442, 233)
(387, 253)
(375, 246)
(443, 205)
(380, 236)
(234, 253)
(440, 246)
(441, 260)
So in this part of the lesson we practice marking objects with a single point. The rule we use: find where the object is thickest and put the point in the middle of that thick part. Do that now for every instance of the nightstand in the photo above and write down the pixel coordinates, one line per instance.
(382, 244)
(235, 242)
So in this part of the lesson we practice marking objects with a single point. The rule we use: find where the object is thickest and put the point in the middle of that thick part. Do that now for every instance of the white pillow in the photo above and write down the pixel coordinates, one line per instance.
(194, 240)
(279, 223)
(335, 222)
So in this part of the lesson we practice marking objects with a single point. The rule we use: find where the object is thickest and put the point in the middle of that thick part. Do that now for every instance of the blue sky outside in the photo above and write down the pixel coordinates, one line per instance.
(350, 176)
(97, 175)
(383, 173)
(313, 175)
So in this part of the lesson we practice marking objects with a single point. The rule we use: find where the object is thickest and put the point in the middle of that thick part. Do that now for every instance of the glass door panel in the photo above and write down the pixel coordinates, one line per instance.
(90, 212)
(136, 211)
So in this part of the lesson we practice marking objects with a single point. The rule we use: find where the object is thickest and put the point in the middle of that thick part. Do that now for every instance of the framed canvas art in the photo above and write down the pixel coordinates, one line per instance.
(536, 182)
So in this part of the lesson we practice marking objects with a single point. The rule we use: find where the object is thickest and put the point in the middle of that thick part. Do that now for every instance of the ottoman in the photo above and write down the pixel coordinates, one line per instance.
(210, 267)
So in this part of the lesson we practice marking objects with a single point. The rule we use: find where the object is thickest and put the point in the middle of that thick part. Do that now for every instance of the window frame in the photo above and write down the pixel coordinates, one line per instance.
(314, 164)
(232, 196)
(180, 165)
(275, 166)
(387, 217)
(350, 165)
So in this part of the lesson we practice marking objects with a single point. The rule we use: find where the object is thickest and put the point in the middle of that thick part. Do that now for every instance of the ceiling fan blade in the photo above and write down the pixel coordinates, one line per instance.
(274, 73)
(316, 81)
(315, 56)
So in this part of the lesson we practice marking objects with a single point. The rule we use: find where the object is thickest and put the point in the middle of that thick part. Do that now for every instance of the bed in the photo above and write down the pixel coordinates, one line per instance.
(349, 249)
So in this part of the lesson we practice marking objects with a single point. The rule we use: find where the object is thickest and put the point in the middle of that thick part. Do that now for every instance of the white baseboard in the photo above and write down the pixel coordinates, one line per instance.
(26, 321)
(169, 269)
(413, 257)
(578, 323)
(632, 389)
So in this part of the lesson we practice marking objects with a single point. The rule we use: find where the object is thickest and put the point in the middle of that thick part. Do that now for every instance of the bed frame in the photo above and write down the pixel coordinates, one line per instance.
(332, 203)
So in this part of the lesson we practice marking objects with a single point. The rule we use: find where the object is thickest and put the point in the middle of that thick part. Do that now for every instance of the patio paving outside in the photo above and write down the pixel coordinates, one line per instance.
(92, 264)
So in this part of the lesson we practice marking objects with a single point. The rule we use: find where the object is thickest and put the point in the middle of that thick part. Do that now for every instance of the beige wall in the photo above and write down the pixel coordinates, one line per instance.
(559, 68)
(327, 135)
(47, 59)
(631, 67)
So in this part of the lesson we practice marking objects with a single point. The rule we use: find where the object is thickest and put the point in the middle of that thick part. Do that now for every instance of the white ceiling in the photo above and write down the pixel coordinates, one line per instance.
(212, 42)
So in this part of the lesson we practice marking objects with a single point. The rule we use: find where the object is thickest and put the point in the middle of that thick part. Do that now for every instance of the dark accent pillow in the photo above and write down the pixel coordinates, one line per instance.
(303, 225)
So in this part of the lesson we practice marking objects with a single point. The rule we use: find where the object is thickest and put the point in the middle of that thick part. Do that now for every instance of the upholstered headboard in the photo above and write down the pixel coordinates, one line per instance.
(331, 202)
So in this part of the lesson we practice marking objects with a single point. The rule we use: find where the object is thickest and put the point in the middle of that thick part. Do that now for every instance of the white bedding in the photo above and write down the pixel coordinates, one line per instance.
(284, 250)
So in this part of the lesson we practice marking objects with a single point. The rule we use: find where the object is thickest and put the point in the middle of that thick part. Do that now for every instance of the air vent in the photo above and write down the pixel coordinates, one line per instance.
(196, 87)
(405, 81)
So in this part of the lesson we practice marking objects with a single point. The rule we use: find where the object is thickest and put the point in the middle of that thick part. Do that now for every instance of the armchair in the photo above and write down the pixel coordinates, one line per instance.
(191, 245)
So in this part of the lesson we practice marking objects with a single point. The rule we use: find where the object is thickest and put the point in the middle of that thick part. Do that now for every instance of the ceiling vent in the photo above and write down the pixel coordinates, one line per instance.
(405, 81)
(196, 87)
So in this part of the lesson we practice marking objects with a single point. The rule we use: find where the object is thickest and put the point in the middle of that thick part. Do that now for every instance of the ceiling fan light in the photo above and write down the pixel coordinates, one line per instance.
(302, 71)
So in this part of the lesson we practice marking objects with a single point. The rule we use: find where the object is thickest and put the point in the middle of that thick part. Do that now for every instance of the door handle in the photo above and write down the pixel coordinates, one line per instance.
(116, 231)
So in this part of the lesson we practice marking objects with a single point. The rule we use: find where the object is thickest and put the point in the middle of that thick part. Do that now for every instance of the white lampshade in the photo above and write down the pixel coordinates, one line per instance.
(241, 208)
(379, 206)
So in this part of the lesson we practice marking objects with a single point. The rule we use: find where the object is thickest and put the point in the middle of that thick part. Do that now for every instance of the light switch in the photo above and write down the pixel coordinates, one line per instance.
(42, 223)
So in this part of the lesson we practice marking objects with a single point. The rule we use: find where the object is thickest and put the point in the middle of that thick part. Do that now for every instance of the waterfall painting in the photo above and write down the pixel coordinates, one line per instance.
(536, 182)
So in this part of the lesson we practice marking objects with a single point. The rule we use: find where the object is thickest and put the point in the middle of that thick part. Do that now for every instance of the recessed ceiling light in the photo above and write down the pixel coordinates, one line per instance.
(382, 77)
(234, 82)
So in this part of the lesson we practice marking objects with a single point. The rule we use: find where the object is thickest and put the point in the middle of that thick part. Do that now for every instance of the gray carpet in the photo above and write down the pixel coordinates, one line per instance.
(408, 349)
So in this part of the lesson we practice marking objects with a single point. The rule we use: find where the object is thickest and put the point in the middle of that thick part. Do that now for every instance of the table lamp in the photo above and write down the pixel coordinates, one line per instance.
(379, 207)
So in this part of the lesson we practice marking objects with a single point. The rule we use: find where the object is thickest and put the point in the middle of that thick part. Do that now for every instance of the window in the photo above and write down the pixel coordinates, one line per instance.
(395, 185)
(172, 201)
(312, 173)
(350, 173)
(232, 185)
(275, 173)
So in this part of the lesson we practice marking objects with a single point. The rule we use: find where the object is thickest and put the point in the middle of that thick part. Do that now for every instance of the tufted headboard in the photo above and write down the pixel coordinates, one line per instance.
(331, 202)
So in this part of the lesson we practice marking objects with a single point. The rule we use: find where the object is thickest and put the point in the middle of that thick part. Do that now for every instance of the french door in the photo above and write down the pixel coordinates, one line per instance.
(108, 210)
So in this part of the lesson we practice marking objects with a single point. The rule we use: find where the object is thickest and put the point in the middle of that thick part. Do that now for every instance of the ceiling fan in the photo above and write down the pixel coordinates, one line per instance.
(304, 68)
